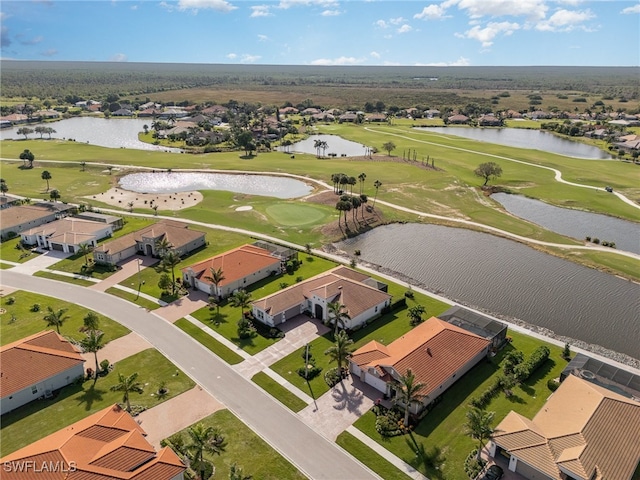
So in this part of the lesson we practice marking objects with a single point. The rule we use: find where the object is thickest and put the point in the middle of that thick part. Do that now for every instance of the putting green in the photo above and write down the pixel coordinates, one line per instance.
(291, 214)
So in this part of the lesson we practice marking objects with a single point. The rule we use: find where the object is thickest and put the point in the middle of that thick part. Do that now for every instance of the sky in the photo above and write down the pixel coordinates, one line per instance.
(325, 32)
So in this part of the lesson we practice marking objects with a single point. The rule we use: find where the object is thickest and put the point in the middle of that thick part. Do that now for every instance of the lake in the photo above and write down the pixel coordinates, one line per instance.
(525, 138)
(173, 182)
(574, 223)
(103, 132)
(336, 144)
(499, 275)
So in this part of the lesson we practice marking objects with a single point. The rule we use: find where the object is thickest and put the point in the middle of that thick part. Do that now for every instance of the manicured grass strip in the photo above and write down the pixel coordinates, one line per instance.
(371, 459)
(28, 322)
(208, 341)
(43, 417)
(131, 297)
(63, 278)
(248, 450)
(278, 391)
(10, 250)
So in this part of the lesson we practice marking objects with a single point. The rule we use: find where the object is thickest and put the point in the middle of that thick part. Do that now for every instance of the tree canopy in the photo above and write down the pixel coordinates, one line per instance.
(488, 171)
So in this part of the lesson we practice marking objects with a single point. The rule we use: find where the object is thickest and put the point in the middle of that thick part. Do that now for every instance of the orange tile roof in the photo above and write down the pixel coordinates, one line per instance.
(434, 351)
(33, 359)
(585, 428)
(108, 445)
(235, 264)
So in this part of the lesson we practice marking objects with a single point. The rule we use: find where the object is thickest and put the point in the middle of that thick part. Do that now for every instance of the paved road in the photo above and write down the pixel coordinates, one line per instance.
(312, 454)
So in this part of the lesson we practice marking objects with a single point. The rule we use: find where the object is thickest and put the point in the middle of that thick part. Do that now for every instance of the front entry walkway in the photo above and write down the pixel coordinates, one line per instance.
(194, 300)
(118, 349)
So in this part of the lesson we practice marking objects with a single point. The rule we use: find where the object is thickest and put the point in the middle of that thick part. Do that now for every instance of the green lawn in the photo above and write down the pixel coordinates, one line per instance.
(63, 278)
(279, 392)
(208, 341)
(11, 251)
(292, 214)
(133, 298)
(442, 429)
(384, 330)
(27, 322)
(43, 417)
(248, 450)
(370, 458)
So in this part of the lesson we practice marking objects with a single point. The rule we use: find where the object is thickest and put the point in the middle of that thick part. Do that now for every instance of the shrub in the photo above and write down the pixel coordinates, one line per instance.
(283, 285)
(299, 279)
(596, 241)
(553, 384)
(104, 366)
(409, 293)
(332, 376)
(471, 465)
(35, 307)
(587, 238)
(310, 370)
(566, 353)
(11, 300)
(357, 253)
(245, 328)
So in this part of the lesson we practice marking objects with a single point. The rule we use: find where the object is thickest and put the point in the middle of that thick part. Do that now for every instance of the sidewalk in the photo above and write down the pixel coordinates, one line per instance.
(41, 262)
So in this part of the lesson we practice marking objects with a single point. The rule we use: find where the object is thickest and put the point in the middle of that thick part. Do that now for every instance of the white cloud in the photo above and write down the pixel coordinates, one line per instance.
(52, 52)
(396, 21)
(405, 28)
(487, 34)
(232, 56)
(565, 20)
(134, 7)
(285, 4)
(337, 61)
(262, 38)
(432, 12)
(195, 5)
(634, 9)
(260, 11)
(375, 54)
(531, 9)
(246, 58)
(29, 41)
(460, 62)
(118, 57)
(382, 24)
(331, 13)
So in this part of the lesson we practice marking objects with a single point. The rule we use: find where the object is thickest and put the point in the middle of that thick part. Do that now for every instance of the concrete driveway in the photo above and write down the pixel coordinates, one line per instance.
(194, 300)
(118, 349)
(128, 268)
(41, 262)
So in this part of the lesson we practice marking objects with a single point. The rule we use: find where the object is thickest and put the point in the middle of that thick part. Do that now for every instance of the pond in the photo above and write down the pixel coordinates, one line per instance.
(335, 144)
(499, 275)
(103, 132)
(174, 182)
(525, 138)
(574, 223)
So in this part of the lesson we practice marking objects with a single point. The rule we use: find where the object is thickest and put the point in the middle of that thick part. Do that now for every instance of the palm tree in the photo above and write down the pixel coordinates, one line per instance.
(415, 314)
(410, 392)
(337, 315)
(237, 473)
(355, 204)
(162, 246)
(317, 144)
(169, 261)
(55, 318)
(389, 146)
(91, 344)
(343, 206)
(351, 181)
(478, 426)
(90, 322)
(4, 188)
(27, 156)
(46, 176)
(54, 194)
(203, 439)
(83, 164)
(340, 351)
(127, 385)
(377, 184)
(362, 177)
(241, 298)
(85, 249)
(216, 276)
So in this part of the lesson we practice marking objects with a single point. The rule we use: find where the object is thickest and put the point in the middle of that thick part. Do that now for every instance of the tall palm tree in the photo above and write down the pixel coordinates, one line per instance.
(203, 439)
(341, 350)
(362, 177)
(478, 426)
(415, 314)
(91, 344)
(355, 204)
(343, 206)
(55, 318)
(216, 275)
(46, 176)
(127, 385)
(351, 181)
(162, 246)
(237, 473)
(85, 249)
(410, 392)
(169, 262)
(91, 321)
(54, 194)
(336, 314)
(241, 298)
(377, 184)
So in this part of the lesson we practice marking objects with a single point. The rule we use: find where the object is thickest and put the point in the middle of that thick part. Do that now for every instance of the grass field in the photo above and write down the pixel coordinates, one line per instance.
(279, 392)
(370, 458)
(74, 402)
(28, 322)
(63, 278)
(208, 341)
(248, 450)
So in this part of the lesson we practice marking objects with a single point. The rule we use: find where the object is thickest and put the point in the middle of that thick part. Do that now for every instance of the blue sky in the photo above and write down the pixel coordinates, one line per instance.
(325, 32)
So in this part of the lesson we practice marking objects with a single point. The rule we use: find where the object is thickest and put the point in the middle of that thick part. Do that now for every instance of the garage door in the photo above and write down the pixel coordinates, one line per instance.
(292, 312)
(57, 246)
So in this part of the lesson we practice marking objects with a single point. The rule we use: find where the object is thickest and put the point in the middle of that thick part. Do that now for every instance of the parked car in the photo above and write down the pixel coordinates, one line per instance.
(494, 472)
(608, 189)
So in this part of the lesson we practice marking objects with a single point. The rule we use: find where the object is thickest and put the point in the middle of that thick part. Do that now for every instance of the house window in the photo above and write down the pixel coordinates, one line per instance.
(376, 310)
(34, 390)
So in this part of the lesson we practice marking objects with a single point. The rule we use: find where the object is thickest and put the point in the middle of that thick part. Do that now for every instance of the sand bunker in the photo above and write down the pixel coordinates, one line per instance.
(244, 208)
(165, 201)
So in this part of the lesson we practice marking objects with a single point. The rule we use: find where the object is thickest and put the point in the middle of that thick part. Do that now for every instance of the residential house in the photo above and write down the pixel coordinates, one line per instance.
(122, 112)
(15, 118)
(458, 119)
(432, 113)
(174, 112)
(149, 112)
(310, 111)
(36, 366)
(376, 117)
(242, 266)
(348, 117)
(437, 352)
(620, 379)
(583, 432)
(489, 120)
(478, 324)
(116, 222)
(7, 201)
(47, 114)
(324, 117)
(363, 297)
(288, 111)
(512, 114)
(67, 234)
(143, 241)
(109, 444)
(22, 217)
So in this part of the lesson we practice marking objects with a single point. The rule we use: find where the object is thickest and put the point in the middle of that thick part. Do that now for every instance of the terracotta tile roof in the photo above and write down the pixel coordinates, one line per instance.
(235, 264)
(33, 359)
(108, 445)
(434, 351)
(332, 286)
(587, 429)
(68, 230)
